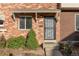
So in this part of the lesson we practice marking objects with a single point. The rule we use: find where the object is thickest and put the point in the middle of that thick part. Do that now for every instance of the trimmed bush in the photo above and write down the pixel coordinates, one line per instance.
(31, 41)
(2, 42)
(16, 42)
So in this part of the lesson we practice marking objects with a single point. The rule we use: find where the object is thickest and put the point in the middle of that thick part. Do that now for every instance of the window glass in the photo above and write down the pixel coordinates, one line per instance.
(22, 22)
(49, 28)
(25, 22)
(1, 22)
(28, 22)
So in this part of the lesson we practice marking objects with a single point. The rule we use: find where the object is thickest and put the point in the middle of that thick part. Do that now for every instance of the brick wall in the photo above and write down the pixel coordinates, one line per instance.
(38, 26)
(67, 24)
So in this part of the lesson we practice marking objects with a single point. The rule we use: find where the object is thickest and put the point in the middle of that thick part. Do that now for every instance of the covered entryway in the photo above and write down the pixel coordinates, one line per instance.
(48, 30)
(45, 26)
(49, 36)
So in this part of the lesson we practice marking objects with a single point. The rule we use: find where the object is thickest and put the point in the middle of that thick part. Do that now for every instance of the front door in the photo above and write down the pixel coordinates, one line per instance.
(49, 28)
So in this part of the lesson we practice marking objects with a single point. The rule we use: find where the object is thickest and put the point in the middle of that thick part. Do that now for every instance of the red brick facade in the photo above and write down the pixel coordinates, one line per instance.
(11, 26)
(68, 24)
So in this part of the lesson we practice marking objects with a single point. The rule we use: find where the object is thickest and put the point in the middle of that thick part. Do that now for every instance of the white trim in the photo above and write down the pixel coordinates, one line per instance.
(3, 30)
(75, 21)
(25, 23)
(14, 16)
(53, 41)
(37, 11)
(70, 5)
(2, 25)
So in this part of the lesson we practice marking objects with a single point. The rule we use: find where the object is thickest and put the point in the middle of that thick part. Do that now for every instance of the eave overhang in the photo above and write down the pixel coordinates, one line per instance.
(36, 11)
(70, 9)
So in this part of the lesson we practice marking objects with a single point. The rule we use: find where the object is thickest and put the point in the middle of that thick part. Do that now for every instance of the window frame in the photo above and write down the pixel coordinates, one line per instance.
(25, 22)
(75, 22)
(2, 25)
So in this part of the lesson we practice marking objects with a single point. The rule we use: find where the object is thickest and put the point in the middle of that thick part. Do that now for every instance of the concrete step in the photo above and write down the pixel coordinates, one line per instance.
(53, 53)
(50, 45)
(51, 49)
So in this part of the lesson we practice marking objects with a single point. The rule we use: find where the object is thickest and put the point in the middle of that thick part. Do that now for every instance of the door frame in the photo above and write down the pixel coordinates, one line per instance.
(52, 40)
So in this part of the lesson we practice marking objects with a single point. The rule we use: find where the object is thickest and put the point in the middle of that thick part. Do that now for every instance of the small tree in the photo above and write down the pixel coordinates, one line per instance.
(2, 41)
(31, 41)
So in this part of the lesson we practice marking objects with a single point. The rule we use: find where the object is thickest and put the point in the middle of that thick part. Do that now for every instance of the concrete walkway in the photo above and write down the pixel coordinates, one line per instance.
(57, 53)
(51, 52)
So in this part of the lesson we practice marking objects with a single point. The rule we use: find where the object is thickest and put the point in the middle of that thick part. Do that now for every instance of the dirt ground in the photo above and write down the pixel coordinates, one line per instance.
(21, 52)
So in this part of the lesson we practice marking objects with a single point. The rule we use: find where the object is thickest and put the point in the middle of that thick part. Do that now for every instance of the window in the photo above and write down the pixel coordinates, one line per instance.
(1, 22)
(25, 22)
(1, 19)
(77, 22)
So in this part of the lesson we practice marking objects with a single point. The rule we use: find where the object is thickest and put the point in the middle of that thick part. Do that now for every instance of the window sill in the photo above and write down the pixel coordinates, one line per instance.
(3, 30)
(24, 29)
(50, 41)
(1, 25)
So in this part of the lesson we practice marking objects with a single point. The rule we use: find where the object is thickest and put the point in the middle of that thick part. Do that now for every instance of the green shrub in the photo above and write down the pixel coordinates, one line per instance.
(16, 42)
(31, 41)
(2, 42)
(65, 48)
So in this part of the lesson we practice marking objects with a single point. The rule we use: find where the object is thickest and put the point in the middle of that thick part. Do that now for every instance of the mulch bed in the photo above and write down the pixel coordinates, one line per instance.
(21, 52)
